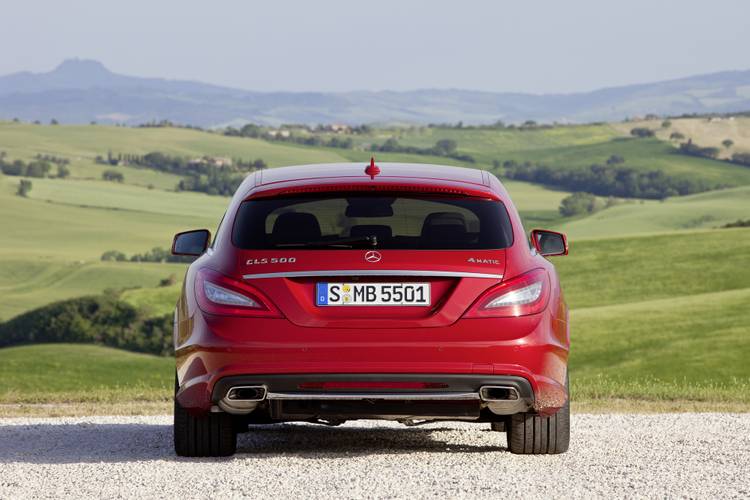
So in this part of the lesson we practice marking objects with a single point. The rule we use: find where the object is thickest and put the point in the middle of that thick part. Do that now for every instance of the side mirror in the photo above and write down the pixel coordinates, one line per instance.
(549, 243)
(191, 242)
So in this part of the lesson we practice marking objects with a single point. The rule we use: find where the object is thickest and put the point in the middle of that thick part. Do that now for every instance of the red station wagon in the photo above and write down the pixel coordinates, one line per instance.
(403, 292)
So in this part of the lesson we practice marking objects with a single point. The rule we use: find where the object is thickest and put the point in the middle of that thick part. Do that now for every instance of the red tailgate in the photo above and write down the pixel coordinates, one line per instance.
(289, 278)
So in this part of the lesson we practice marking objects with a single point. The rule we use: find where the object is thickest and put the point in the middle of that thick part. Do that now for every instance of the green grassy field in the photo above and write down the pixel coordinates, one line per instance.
(641, 154)
(37, 228)
(577, 146)
(658, 296)
(645, 326)
(155, 301)
(27, 283)
(50, 250)
(704, 131)
(699, 211)
(485, 144)
(687, 347)
(622, 270)
(82, 144)
(78, 372)
(54, 238)
(660, 318)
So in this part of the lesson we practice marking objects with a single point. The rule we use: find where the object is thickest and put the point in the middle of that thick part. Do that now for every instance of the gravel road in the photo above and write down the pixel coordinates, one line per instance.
(669, 455)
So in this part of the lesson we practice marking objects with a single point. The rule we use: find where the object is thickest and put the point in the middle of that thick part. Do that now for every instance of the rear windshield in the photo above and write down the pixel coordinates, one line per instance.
(393, 222)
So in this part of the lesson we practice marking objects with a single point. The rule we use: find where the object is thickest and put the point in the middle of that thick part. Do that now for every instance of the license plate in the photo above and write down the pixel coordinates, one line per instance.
(372, 294)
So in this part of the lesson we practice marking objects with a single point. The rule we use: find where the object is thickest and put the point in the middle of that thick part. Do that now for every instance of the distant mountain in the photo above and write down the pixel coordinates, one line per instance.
(80, 91)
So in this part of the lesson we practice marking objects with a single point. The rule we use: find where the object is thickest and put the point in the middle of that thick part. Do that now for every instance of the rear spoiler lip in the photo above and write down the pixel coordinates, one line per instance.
(373, 272)
(412, 188)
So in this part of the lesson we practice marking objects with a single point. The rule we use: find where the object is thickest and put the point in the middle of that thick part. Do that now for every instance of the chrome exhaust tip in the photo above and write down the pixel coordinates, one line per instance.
(247, 393)
(243, 399)
(502, 399)
(498, 393)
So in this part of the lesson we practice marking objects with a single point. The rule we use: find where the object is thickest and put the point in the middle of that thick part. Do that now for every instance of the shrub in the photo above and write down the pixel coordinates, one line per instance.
(113, 175)
(741, 159)
(38, 168)
(62, 172)
(445, 147)
(579, 204)
(642, 132)
(615, 160)
(103, 320)
(692, 149)
(35, 168)
(738, 223)
(168, 281)
(114, 255)
(23, 188)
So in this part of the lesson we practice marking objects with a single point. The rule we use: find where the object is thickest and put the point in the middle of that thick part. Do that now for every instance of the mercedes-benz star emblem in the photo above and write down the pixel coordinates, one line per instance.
(372, 256)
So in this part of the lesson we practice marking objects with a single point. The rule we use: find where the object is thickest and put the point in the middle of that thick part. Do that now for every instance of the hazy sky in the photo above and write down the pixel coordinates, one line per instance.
(526, 46)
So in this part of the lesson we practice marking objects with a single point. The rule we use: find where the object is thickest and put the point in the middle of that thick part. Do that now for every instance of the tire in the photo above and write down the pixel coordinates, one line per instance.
(531, 434)
(498, 426)
(209, 435)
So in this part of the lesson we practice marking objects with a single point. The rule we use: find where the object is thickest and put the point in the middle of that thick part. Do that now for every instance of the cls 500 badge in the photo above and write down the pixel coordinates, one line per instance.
(271, 260)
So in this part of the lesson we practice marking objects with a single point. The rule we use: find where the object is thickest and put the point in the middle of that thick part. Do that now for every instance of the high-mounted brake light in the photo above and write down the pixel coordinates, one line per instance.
(222, 295)
(520, 296)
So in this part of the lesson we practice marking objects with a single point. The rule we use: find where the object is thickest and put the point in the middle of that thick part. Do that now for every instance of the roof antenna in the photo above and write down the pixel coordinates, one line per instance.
(372, 170)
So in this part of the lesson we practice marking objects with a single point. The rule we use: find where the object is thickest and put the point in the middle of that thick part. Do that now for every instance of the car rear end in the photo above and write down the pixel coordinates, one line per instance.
(409, 298)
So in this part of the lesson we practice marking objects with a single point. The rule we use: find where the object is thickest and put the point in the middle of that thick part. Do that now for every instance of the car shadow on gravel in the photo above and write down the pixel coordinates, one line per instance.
(106, 442)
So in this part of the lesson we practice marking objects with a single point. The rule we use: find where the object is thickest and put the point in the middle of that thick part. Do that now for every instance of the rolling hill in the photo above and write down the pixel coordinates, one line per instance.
(658, 294)
(661, 317)
(75, 372)
(573, 147)
(642, 328)
(699, 211)
(59, 232)
(79, 91)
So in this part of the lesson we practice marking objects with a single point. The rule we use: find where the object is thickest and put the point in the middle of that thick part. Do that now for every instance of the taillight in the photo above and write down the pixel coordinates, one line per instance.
(520, 296)
(219, 294)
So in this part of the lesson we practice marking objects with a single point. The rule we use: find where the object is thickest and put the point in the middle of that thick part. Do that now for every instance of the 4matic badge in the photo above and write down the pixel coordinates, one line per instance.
(483, 261)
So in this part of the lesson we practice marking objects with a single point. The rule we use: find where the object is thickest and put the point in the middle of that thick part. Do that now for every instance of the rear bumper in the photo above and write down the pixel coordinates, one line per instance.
(374, 395)
(223, 352)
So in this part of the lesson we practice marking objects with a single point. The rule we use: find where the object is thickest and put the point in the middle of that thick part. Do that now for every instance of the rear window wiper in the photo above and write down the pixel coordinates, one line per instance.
(341, 242)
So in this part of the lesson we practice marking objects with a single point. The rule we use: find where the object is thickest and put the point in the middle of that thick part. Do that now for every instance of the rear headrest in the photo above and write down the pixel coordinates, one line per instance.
(296, 227)
(444, 228)
(381, 232)
(454, 220)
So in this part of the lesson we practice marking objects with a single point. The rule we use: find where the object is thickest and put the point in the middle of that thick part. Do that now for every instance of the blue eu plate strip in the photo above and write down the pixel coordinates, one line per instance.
(322, 294)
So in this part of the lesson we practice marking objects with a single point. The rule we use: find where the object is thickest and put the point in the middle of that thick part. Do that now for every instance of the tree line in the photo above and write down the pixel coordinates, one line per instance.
(501, 125)
(313, 136)
(443, 147)
(607, 180)
(692, 149)
(38, 168)
(156, 254)
(216, 176)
